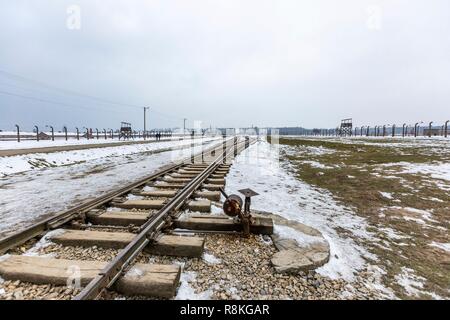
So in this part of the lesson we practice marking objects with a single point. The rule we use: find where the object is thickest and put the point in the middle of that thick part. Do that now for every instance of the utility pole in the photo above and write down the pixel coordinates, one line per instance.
(145, 124)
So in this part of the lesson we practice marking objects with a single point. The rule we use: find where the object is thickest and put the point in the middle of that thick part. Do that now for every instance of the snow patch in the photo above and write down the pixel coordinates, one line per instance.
(44, 242)
(376, 275)
(186, 292)
(266, 240)
(134, 272)
(134, 197)
(439, 170)
(317, 165)
(412, 284)
(424, 215)
(4, 257)
(391, 233)
(387, 195)
(443, 246)
(211, 259)
(303, 240)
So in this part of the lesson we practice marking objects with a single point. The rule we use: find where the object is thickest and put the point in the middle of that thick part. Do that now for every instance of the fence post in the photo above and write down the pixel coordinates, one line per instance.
(37, 133)
(78, 133)
(445, 129)
(393, 130)
(18, 133)
(429, 129)
(65, 131)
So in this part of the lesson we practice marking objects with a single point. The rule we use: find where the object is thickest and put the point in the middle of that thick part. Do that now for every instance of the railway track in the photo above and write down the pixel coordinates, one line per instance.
(135, 221)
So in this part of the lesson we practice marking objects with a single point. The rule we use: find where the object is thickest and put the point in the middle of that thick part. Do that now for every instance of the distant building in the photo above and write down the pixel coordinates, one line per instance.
(434, 131)
(44, 136)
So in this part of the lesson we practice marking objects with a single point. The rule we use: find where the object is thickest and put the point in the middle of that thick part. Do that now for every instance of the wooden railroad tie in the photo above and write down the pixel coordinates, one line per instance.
(169, 245)
(153, 280)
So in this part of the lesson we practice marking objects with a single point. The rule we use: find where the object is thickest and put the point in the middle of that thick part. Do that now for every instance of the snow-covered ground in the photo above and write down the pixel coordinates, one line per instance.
(439, 170)
(60, 141)
(26, 197)
(388, 141)
(282, 193)
(259, 168)
(15, 164)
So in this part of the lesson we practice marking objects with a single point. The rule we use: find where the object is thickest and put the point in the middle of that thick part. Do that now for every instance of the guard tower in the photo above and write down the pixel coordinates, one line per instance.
(346, 128)
(125, 131)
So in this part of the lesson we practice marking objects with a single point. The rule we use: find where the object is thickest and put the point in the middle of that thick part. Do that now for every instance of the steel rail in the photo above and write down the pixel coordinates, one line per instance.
(114, 269)
(61, 218)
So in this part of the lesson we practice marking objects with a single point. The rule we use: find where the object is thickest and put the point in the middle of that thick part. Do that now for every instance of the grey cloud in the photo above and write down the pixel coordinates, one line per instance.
(228, 63)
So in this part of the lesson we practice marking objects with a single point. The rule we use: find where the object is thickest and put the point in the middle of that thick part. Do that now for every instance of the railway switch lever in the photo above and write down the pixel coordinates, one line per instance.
(232, 207)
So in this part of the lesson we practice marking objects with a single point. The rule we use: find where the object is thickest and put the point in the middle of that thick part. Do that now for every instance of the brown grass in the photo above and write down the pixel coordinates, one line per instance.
(352, 182)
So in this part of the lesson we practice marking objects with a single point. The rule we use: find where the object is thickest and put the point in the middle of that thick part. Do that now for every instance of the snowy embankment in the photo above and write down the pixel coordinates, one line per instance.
(26, 197)
(281, 193)
(15, 164)
(60, 140)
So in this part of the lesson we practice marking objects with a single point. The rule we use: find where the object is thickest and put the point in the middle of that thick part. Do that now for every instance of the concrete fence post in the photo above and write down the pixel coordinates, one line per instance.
(37, 133)
(18, 133)
(445, 128)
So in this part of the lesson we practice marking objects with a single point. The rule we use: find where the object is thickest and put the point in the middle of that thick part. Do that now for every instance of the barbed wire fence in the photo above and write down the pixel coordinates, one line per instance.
(417, 129)
(79, 133)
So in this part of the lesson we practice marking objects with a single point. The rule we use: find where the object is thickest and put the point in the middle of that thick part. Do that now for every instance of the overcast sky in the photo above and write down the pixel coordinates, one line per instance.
(226, 63)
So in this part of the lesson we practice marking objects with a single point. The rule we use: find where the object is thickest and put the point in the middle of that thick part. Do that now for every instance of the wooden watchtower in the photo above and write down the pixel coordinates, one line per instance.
(346, 128)
(125, 131)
